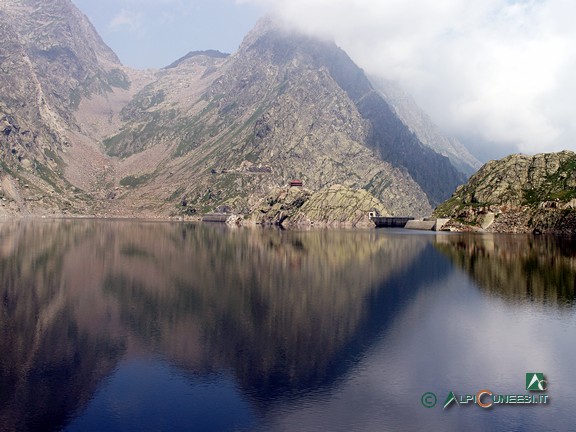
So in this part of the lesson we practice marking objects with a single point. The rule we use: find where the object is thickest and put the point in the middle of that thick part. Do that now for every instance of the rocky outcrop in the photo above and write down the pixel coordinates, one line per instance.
(519, 193)
(336, 205)
(339, 205)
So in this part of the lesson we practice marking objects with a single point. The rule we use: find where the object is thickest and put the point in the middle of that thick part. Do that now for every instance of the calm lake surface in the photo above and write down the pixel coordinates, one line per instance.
(143, 326)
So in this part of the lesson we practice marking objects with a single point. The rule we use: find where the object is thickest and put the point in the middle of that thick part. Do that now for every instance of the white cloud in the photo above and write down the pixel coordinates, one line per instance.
(497, 69)
(128, 20)
(139, 16)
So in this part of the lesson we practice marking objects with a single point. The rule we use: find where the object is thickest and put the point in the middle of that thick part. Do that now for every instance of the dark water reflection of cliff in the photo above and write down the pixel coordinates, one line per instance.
(286, 313)
(519, 268)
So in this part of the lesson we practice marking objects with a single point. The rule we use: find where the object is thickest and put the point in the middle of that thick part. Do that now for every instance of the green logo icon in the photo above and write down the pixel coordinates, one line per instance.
(535, 381)
(449, 399)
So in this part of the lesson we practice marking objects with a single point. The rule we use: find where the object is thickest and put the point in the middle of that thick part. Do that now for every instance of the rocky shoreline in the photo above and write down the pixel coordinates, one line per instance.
(516, 221)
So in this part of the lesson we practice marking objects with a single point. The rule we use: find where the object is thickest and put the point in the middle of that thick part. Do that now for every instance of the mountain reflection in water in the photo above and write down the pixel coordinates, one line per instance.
(519, 268)
(286, 312)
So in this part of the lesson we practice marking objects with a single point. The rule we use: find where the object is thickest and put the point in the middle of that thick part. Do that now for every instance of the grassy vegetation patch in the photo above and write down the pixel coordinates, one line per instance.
(135, 181)
(448, 207)
(6, 168)
(51, 154)
(153, 99)
(532, 196)
(117, 78)
(563, 195)
(282, 88)
(177, 194)
(190, 140)
(46, 174)
(133, 141)
(113, 143)
(555, 186)
(228, 108)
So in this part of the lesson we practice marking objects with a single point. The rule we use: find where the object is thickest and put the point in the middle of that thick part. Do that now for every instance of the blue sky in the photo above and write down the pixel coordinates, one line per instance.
(154, 33)
(498, 74)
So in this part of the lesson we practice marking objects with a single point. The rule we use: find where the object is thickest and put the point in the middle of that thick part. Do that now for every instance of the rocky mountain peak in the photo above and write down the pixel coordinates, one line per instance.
(282, 54)
(68, 57)
(192, 54)
(47, 27)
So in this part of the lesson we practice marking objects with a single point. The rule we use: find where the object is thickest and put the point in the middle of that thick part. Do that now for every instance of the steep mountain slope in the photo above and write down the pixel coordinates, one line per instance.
(284, 106)
(29, 125)
(426, 131)
(518, 193)
(52, 59)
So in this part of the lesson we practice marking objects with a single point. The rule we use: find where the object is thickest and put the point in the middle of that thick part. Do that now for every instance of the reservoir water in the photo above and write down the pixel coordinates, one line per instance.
(146, 326)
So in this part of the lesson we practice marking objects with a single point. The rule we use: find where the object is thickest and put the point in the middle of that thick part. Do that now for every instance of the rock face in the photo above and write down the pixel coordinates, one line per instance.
(336, 205)
(51, 59)
(518, 194)
(90, 136)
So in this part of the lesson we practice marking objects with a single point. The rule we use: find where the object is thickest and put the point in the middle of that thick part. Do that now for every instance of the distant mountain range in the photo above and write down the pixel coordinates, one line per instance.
(83, 134)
